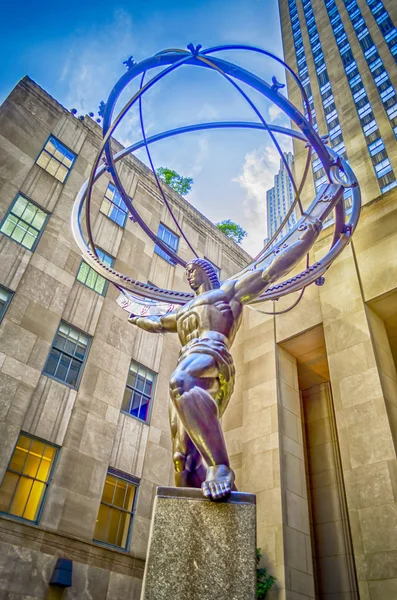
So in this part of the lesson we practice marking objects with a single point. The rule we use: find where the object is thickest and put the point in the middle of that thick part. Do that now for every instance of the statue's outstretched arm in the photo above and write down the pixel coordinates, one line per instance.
(252, 284)
(160, 324)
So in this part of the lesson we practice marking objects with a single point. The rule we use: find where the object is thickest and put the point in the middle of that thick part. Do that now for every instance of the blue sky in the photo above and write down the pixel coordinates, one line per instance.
(75, 51)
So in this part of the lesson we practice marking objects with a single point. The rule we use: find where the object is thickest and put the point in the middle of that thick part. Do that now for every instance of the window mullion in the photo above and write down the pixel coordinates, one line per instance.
(107, 525)
(27, 499)
(118, 528)
(67, 372)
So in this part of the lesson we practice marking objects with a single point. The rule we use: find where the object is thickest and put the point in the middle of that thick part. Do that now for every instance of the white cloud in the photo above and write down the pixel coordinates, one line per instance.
(256, 177)
(208, 112)
(202, 155)
(275, 112)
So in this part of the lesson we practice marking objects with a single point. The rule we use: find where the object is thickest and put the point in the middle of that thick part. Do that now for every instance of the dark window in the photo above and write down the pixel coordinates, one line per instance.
(139, 391)
(366, 42)
(376, 146)
(5, 299)
(379, 157)
(170, 238)
(354, 81)
(27, 477)
(337, 140)
(361, 100)
(372, 137)
(388, 94)
(68, 355)
(24, 222)
(113, 206)
(388, 186)
(386, 25)
(323, 78)
(56, 159)
(382, 168)
(392, 111)
(367, 118)
(370, 127)
(387, 182)
(383, 84)
(113, 525)
(319, 173)
(91, 278)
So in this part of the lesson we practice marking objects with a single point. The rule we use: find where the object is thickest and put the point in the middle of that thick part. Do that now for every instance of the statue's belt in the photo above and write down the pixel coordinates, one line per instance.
(212, 347)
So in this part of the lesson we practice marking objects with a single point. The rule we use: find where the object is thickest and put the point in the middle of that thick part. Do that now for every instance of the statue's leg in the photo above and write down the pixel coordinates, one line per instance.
(194, 385)
(188, 464)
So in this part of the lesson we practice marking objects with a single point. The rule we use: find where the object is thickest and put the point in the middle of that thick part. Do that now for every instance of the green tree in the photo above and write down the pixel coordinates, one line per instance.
(264, 582)
(232, 230)
(182, 185)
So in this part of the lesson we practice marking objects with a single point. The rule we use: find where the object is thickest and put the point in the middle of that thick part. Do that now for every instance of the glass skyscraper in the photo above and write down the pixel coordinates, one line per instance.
(345, 53)
(280, 197)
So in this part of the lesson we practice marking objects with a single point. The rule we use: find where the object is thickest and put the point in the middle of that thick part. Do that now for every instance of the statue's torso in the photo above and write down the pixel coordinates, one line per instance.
(210, 311)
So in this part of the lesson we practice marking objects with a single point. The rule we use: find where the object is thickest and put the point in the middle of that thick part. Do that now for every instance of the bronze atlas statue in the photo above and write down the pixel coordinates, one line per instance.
(208, 318)
(203, 381)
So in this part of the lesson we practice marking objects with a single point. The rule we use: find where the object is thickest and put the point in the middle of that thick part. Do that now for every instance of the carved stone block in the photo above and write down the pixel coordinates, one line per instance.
(201, 550)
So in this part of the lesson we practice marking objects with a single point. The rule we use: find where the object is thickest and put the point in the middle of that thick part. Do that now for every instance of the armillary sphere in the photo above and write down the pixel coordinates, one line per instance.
(143, 298)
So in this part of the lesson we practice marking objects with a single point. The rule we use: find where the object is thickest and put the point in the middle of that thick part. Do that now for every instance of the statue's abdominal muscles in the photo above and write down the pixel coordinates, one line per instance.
(198, 317)
(189, 327)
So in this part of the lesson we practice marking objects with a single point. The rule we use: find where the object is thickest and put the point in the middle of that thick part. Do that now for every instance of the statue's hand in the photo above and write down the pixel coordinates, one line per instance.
(133, 319)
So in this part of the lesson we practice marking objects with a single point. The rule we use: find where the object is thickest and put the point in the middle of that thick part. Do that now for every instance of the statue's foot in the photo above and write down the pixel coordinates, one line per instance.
(219, 482)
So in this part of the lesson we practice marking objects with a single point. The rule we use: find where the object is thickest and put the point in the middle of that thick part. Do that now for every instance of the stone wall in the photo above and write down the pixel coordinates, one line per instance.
(87, 424)
(335, 337)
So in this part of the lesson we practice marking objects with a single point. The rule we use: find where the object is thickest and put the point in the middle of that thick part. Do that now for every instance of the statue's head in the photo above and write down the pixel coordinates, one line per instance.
(200, 271)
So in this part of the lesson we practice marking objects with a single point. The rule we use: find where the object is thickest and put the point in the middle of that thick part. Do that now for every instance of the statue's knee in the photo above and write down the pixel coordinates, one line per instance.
(179, 462)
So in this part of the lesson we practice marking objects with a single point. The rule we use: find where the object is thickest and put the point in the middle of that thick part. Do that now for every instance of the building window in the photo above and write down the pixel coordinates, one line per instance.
(321, 181)
(355, 80)
(27, 477)
(381, 78)
(139, 391)
(113, 206)
(382, 168)
(56, 159)
(91, 278)
(376, 146)
(387, 94)
(359, 95)
(5, 299)
(364, 110)
(68, 355)
(113, 525)
(392, 111)
(170, 238)
(331, 116)
(388, 187)
(24, 222)
(370, 127)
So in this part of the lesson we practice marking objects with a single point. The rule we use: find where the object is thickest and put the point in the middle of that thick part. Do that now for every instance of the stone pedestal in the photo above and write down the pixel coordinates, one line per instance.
(199, 549)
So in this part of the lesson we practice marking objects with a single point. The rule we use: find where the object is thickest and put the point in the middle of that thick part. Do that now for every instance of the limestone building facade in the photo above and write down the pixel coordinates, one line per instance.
(84, 435)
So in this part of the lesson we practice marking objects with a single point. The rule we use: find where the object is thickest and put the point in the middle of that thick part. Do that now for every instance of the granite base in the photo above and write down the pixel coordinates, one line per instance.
(200, 549)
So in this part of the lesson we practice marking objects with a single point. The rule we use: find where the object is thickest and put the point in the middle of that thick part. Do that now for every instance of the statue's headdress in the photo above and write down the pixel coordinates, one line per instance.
(208, 270)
